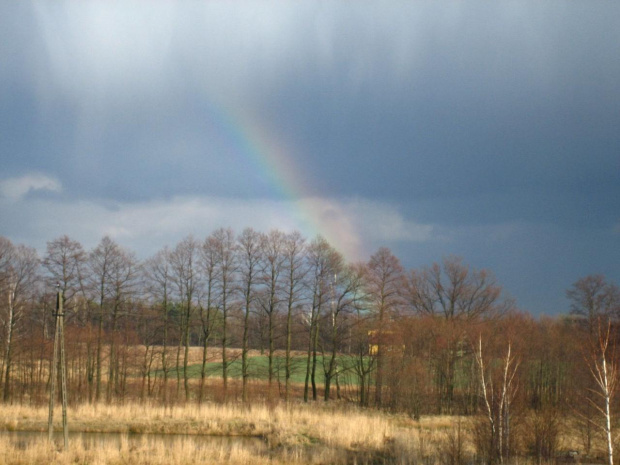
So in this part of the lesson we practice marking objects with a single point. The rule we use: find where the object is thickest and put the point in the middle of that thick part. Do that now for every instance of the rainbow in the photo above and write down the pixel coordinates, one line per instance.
(246, 136)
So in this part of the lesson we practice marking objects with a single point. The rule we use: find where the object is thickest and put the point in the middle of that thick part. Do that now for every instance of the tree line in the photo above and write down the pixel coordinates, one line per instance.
(442, 339)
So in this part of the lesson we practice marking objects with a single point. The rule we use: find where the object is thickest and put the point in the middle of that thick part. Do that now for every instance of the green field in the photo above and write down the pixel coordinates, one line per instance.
(258, 368)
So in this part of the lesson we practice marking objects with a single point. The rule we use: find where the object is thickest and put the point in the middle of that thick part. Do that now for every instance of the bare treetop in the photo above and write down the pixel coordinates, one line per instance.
(593, 297)
(456, 291)
(64, 260)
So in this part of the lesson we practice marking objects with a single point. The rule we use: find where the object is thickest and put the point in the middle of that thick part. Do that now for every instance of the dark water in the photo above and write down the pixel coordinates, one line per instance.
(98, 440)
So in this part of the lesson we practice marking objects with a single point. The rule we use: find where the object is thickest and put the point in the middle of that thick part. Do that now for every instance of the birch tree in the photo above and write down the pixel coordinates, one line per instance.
(498, 388)
(21, 277)
(604, 369)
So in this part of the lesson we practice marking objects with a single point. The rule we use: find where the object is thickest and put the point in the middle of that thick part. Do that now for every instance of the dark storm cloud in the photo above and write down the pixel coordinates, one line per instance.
(484, 130)
(440, 99)
(522, 108)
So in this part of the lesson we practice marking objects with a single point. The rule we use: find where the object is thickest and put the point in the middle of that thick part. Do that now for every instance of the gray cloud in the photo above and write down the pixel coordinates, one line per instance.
(486, 130)
(148, 226)
(15, 189)
(442, 99)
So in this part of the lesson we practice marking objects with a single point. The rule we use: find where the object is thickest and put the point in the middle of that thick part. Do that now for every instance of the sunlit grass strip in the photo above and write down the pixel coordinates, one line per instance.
(258, 369)
(344, 427)
(315, 433)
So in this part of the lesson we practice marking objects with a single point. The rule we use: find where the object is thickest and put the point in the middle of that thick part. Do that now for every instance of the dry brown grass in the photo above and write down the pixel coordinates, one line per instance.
(146, 453)
(331, 425)
(315, 433)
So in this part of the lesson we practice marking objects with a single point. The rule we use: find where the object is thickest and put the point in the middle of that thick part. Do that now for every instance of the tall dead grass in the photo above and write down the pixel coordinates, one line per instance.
(146, 453)
(316, 433)
(342, 427)
(300, 433)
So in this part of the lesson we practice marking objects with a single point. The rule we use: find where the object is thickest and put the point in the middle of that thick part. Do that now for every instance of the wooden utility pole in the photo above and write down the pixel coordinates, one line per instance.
(59, 343)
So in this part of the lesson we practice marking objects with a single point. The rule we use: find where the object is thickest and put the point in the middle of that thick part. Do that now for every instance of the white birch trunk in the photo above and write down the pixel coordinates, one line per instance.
(605, 375)
(605, 387)
(607, 394)
(485, 393)
(498, 412)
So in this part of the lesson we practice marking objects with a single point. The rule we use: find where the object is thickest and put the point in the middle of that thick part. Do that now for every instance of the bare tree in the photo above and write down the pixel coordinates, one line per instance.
(498, 388)
(364, 359)
(113, 278)
(321, 260)
(592, 297)
(226, 269)
(604, 369)
(272, 267)
(7, 253)
(385, 282)
(249, 260)
(65, 262)
(22, 275)
(147, 329)
(295, 270)
(7, 249)
(186, 278)
(458, 295)
(100, 264)
(207, 306)
(158, 283)
(456, 291)
(597, 302)
(347, 296)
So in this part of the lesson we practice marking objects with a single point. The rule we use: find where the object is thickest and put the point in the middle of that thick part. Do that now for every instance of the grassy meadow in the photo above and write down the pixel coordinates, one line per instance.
(258, 368)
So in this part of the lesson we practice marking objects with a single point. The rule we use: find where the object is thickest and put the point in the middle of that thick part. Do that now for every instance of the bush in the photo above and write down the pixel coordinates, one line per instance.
(542, 433)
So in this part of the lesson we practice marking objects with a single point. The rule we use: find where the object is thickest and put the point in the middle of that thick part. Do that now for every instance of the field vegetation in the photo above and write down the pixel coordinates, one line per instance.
(279, 338)
(326, 433)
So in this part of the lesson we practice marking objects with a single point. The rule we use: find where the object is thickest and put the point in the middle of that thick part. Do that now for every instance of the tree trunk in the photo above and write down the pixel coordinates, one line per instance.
(8, 346)
(186, 353)
(289, 321)
(244, 345)
(98, 361)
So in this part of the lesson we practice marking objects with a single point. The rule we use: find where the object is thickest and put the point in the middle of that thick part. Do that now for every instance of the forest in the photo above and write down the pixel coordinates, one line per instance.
(275, 317)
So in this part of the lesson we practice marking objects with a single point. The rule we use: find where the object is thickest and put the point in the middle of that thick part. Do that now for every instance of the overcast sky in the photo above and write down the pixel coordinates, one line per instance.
(485, 130)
